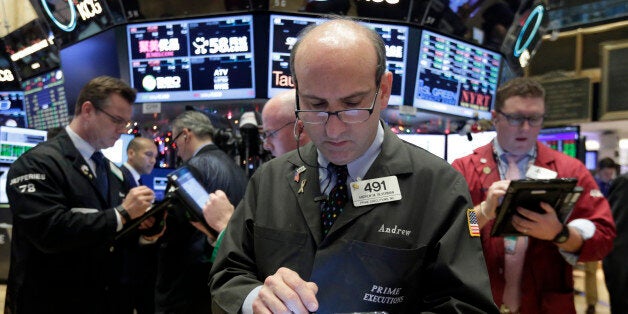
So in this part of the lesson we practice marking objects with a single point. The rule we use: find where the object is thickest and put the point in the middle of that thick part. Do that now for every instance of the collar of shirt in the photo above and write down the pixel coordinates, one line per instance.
(523, 164)
(201, 147)
(134, 173)
(357, 168)
(83, 147)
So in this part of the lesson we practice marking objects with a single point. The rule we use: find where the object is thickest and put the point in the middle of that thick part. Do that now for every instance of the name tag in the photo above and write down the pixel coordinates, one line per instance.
(375, 191)
(539, 173)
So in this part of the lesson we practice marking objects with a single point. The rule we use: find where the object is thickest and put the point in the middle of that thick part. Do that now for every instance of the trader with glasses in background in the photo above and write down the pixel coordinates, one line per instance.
(396, 238)
(68, 203)
(533, 273)
(282, 132)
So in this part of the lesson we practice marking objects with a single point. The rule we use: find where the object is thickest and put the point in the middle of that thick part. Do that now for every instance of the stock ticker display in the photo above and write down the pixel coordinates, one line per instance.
(193, 59)
(44, 101)
(456, 77)
(284, 30)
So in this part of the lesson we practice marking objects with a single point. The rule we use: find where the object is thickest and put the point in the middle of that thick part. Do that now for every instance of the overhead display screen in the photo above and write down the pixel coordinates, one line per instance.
(12, 109)
(31, 49)
(284, 30)
(194, 59)
(16, 141)
(44, 101)
(455, 77)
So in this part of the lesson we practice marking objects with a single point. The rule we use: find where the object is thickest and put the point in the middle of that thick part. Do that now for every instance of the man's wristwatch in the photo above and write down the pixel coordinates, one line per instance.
(562, 236)
(123, 213)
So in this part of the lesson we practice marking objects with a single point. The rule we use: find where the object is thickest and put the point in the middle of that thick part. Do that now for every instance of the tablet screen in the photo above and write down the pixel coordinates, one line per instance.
(192, 191)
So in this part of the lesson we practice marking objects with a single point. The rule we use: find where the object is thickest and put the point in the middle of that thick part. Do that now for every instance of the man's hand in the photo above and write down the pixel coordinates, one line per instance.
(217, 212)
(138, 200)
(543, 226)
(286, 292)
(495, 192)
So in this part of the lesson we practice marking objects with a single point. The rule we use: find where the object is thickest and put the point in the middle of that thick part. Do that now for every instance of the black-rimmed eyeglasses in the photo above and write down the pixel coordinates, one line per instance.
(349, 116)
(174, 139)
(270, 133)
(118, 121)
(517, 120)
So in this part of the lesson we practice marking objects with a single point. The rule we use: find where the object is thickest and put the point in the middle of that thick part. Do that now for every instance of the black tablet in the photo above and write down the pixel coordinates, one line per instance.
(191, 194)
(561, 194)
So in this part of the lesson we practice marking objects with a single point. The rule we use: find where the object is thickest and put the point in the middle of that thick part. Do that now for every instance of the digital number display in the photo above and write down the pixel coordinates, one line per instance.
(44, 101)
(285, 30)
(199, 59)
(456, 77)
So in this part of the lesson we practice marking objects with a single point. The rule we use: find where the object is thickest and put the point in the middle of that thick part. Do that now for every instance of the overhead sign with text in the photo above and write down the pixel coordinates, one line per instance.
(194, 59)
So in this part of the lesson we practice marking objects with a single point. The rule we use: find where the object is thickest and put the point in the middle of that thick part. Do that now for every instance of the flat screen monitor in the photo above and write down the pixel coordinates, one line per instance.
(284, 30)
(433, 143)
(16, 141)
(590, 159)
(455, 77)
(563, 139)
(192, 59)
(157, 180)
(117, 152)
(44, 101)
(87, 59)
(8, 78)
(459, 145)
(4, 169)
(12, 109)
(32, 49)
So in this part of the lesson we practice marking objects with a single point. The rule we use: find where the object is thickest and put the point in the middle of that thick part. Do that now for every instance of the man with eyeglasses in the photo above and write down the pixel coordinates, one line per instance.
(282, 132)
(400, 241)
(533, 273)
(68, 204)
(185, 252)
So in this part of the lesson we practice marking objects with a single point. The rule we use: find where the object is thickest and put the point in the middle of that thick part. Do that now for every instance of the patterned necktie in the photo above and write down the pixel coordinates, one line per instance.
(337, 197)
(514, 257)
(101, 173)
(513, 172)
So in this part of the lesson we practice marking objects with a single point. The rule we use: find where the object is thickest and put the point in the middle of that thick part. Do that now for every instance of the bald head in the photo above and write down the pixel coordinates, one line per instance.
(278, 120)
(279, 108)
(342, 34)
(142, 154)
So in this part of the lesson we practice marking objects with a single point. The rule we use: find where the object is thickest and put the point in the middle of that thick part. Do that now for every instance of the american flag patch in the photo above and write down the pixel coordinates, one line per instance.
(472, 220)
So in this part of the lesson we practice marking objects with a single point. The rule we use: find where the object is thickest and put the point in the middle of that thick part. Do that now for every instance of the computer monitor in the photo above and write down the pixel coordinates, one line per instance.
(455, 77)
(590, 159)
(16, 141)
(157, 180)
(87, 59)
(284, 30)
(192, 59)
(44, 101)
(459, 145)
(562, 138)
(433, 143)
(117, 152)
(12, 109)
(4, 169)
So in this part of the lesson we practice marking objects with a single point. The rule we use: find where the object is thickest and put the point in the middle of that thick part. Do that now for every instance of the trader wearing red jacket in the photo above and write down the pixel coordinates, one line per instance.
(543, 280)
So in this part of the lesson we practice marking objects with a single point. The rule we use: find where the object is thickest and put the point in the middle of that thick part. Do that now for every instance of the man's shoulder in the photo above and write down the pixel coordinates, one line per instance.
(44, 150)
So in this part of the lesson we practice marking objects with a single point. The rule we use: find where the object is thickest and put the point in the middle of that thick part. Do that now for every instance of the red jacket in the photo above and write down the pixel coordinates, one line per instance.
(547, 282)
